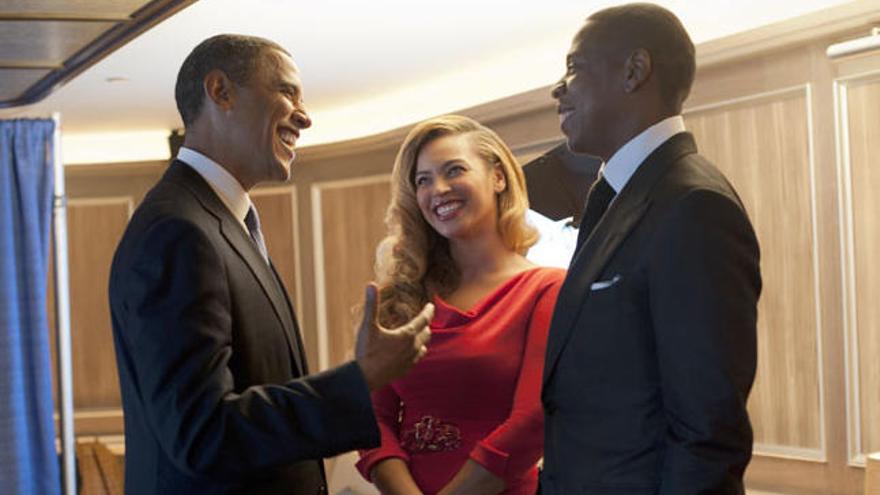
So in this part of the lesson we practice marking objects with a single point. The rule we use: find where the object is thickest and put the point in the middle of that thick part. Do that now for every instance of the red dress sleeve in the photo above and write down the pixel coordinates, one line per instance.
(515, 445)
(386, 406)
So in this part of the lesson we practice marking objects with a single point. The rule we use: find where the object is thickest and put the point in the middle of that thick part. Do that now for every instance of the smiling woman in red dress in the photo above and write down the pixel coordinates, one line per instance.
(467, 419)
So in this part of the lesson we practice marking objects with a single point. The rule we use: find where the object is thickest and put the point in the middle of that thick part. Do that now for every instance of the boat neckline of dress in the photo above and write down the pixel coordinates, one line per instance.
(480, 304)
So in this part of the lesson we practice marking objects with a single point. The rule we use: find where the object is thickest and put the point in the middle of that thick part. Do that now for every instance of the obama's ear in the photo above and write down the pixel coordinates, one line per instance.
(219, 89)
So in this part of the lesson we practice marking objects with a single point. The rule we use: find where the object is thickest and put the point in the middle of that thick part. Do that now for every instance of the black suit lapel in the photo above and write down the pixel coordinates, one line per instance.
(267, 278)
(619, 220)
(299, 352)
(243, 246)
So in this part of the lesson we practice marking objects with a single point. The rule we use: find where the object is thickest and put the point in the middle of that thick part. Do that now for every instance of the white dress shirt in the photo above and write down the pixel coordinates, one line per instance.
(556, 243)
(625, 161)
(221, 181)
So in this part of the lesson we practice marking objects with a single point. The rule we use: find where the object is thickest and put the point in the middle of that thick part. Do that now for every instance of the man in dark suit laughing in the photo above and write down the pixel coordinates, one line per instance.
(216, 391)
(652, 348)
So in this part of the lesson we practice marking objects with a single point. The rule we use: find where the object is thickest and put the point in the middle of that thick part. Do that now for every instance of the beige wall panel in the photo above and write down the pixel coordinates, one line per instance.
(277, 208)
(351, 228)
(316, 166)
(763, 147)
(94, 229)
(863, 106)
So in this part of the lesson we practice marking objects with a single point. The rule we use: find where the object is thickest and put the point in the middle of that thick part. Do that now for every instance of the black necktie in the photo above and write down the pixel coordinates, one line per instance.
(599, 197)
(252, 220)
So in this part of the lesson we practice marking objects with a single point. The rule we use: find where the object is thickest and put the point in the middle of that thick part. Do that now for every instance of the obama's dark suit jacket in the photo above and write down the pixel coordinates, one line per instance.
(211, 366)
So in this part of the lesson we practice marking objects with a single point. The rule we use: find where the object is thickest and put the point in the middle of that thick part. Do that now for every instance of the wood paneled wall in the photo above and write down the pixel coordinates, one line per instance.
(94, 228)
(796, 133)
(348, 222)
(762, 144)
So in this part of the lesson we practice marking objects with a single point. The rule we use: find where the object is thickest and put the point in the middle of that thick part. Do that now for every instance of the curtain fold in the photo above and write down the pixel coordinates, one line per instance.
(28, 458)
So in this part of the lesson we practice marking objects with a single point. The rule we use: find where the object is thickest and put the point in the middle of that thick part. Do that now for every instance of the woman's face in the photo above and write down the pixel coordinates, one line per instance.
(456, 189)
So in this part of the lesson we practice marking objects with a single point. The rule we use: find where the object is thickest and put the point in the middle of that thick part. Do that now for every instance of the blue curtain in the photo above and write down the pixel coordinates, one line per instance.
(28, 460)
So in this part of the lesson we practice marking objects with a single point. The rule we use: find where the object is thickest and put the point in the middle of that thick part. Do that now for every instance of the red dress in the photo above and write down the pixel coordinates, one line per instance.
(476, 394)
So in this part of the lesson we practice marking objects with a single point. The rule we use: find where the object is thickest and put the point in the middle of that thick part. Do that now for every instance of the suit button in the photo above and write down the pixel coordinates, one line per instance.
(323, 489)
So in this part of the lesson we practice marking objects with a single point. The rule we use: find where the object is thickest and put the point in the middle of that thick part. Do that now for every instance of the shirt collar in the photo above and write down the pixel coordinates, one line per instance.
(221, 181)
(624, 163)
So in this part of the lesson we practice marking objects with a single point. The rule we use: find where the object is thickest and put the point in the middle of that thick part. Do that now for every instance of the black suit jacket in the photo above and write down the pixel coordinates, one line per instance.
(652, 347)
(213, 376)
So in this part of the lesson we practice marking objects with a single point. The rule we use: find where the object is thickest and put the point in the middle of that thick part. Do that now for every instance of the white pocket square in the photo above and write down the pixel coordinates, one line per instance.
(604, 284)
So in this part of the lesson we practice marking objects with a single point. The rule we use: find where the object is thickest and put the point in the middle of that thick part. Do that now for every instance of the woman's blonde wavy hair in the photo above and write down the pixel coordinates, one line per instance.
(414, 262)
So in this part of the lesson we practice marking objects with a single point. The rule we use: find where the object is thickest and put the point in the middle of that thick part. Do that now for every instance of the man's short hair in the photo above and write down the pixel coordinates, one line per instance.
(238, 56)
(661, 33)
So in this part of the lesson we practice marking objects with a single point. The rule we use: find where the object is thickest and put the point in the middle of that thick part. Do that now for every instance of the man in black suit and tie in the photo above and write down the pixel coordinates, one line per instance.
(651, 353)
(215, 387)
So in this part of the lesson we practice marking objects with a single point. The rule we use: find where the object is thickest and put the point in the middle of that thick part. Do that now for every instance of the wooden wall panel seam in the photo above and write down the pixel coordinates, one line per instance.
(297, 260)
(104, 200)
(862, 76)
(789, 452)
(750, 98)
(841, 132)
(817, 274)
(352, 182)
(320, 295)
(98, 413)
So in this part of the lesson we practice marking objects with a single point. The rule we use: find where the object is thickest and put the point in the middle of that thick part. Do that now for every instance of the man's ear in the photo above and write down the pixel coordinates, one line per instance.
(637, 70)
(219, 89)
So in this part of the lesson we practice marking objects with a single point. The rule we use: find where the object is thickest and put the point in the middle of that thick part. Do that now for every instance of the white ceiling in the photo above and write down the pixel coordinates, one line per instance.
(368, 66)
